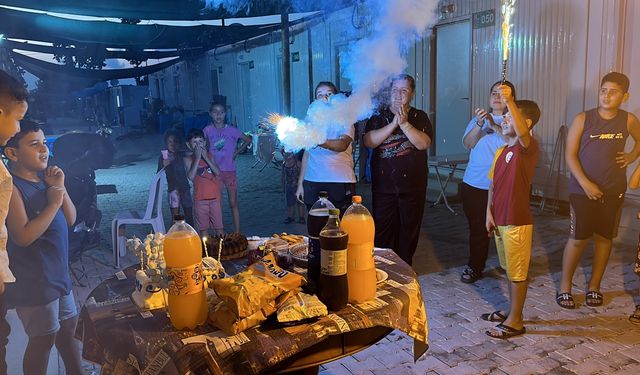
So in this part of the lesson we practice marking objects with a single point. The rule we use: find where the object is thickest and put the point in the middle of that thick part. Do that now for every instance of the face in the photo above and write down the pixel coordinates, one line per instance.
(324, 93)
(611, 95)
(10, 121)
(172, 144)
(217, 114)
(196, 142)
(401, 93)
(32, 152)
(497, 105)
(507, 125)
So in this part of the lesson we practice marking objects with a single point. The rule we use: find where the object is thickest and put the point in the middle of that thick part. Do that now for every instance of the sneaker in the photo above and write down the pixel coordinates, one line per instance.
(469, 276)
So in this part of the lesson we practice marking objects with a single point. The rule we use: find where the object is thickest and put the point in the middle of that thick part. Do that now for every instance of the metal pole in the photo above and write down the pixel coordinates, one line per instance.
(286, 62)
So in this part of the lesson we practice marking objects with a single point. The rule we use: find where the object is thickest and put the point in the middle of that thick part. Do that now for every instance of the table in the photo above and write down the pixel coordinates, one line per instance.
(452, 161)
(125, 340)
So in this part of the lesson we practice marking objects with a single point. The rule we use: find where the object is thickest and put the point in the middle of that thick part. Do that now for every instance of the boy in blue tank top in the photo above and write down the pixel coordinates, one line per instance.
(40, 212)
(597, 161)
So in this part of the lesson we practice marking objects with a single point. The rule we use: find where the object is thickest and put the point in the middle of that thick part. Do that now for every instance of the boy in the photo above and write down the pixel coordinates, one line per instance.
(13, 107)
(40, 212)
(508, 211)
(203, 172)
(595, 143)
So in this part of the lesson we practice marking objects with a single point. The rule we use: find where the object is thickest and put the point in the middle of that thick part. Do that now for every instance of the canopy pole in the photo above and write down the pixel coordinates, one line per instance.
(286, 62)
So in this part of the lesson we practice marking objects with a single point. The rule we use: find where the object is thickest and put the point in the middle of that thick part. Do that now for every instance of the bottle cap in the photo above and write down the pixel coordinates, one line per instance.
(356, 199)
(334, 211)
(323, 194)
(178, 217)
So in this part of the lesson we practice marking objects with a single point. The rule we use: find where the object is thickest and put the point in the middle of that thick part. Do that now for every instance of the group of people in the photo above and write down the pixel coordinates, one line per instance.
(496, 186)
(208, 160)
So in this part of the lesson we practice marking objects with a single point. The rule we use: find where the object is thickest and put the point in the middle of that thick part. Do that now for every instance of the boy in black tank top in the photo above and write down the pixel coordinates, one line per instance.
(597, 161)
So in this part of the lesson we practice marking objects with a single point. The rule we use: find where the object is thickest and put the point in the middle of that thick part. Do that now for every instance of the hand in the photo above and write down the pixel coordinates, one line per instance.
(481, 115)
(55, 195)
(490, 224)
(624, 159)
(401, 115)
(592, 190)
(54, 176)
(300, 194)
(505, 93)
(198, 152)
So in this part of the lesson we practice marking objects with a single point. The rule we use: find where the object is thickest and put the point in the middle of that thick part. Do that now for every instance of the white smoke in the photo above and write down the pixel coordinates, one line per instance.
(231, 6)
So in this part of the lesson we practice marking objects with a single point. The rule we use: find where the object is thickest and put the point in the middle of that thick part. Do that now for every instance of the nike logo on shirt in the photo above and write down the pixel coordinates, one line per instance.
(607, 136)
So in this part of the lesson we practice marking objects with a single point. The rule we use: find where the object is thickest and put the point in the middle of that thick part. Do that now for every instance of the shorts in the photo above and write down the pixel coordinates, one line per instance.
(45, 320)
(589, 217)
(513, 243)
(340, 193)
(180, 198)
(208, 214)
(230, 181)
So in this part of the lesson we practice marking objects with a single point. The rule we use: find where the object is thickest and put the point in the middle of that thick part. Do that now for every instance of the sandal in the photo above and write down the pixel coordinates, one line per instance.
(495, 316)
(469, 276)
(505, 332)
(594, 298)
(635, 317)
(565, 300)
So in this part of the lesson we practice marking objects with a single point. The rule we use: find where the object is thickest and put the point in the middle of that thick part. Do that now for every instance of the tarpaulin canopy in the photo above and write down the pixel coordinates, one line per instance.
(130, 53)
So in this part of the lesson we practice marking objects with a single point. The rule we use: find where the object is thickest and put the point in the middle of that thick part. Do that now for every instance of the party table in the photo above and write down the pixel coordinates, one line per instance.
(126, 340)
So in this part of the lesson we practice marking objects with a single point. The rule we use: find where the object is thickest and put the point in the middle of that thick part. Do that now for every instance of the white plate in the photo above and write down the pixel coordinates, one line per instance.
(381, 276)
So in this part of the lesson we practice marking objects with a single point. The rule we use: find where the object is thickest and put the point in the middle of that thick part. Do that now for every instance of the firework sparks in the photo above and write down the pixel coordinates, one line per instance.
(507, 9)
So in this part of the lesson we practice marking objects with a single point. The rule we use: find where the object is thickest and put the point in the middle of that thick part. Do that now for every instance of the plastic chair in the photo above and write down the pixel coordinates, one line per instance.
(139, 217)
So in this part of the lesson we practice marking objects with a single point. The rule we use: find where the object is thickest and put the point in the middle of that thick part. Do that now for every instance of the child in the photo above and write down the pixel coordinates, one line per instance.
(290, 175)
(508, 211)
(13, 107)
(40, 213)
(172, 160)
(634, 183)
(203, 172)
(595, 144)
(223, 144)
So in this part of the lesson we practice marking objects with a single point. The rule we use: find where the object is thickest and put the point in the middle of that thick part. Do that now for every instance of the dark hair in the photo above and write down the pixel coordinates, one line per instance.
(195, 133)
(506, 83)
(172, 133)
(406, 77)
(213, 104)
(617, 78)
(26, 127)
(11, 90)
(328, 84)
(529, 110)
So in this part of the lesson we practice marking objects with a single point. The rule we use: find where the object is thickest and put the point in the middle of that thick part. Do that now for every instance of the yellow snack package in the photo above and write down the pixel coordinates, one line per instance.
(254, 288)
(300, 307)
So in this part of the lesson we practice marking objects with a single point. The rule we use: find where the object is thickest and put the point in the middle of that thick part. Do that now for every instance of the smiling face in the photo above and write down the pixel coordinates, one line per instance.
(31, 152)
(611, 95)
(507, 126)
(401, 93)
(10, 118)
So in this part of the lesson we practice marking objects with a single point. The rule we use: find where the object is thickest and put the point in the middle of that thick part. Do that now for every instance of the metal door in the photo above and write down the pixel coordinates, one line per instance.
(247, 97)
(453, 77)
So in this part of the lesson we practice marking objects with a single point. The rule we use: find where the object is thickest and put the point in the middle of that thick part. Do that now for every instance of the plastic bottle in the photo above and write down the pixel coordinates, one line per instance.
(186, 296)
(361, 268)
(316, 220)
(333, 288)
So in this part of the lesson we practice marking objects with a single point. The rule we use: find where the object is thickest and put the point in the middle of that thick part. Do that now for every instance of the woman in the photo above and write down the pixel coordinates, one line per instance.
(483, 137)
(328, 166)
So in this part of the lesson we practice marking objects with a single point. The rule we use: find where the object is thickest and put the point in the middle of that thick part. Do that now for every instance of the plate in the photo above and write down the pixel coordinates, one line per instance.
(381, 276)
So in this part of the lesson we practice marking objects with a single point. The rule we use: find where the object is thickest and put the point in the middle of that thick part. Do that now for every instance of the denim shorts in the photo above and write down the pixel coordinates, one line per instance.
(45, 320)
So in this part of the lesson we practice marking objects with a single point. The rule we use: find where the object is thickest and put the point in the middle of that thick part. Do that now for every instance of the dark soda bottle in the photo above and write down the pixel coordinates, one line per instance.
(316, 220)
(333, 289)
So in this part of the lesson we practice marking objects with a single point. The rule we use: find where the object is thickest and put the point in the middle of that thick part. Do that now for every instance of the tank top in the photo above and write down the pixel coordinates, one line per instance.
(42, 268)
(599, 146)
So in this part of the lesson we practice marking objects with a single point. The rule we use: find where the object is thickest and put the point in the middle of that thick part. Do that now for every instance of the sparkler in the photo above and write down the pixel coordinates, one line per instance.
(506, 9)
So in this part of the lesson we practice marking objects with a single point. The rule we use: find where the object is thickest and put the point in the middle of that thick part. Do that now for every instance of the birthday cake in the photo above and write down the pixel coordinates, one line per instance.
(149, 295)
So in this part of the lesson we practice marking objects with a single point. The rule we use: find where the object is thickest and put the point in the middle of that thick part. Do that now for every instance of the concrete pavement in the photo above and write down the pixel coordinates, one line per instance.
(582, 341)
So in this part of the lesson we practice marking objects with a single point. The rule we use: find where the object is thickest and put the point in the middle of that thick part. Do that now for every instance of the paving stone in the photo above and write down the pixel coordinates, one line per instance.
(590, 366)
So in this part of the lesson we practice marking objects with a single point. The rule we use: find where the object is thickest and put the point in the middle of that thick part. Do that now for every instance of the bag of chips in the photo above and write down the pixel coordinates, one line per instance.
(256, 287)
(300, 307)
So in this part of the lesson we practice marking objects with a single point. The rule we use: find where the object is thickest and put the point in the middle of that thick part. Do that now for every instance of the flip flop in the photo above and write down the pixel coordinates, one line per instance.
(505, 332)
(565, 300)
(594, 298)
(635, 317)
(495, 316)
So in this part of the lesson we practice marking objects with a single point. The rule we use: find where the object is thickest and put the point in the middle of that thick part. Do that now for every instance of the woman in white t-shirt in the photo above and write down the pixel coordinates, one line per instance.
(328, 166)
(483, 137)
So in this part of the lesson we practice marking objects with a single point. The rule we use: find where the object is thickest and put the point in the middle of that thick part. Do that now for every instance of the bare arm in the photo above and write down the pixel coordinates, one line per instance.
(520, 124)
(633, 126)
(191, 165)
(212, 164)
(573, 162)
(634, 181)
(489, 222)
(24, 231)
(69, 209)
(338, 145)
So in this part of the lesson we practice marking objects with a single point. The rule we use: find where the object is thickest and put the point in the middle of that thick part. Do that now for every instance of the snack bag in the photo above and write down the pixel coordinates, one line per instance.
(256, 287)
(300, 307)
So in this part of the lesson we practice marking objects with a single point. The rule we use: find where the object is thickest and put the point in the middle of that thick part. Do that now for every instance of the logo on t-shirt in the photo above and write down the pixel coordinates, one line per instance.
(607, 136)
(508, 157)
(219, 144)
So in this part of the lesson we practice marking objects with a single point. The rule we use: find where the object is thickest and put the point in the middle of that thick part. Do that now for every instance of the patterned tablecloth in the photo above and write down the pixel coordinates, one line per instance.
(126, 340)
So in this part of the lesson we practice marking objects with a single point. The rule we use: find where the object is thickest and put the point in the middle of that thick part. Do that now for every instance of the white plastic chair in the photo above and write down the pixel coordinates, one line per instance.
(148, 216)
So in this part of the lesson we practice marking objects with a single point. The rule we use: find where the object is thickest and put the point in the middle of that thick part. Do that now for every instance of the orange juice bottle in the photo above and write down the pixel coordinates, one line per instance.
(186, 296)
(361, 269)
